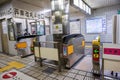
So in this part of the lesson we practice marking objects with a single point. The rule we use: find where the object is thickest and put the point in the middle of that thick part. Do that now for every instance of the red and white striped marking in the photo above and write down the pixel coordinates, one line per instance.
(9, 75)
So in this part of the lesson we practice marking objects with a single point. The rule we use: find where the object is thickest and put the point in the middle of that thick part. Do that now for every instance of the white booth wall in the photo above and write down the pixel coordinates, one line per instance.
(5, 16)
(12, 5)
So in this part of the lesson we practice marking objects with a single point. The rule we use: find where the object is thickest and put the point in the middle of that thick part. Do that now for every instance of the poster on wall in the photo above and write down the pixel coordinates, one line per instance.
(47, 30)
(75, 27)
(47, 21)
(57, 29)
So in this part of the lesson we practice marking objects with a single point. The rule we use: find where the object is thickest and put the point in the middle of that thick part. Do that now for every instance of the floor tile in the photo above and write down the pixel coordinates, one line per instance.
(82, 72)
(88, 78)
(79, 77)
(73, 71)
(36, 74)
(41, 77)
(48, 78)
(53, 75)
(60, 77)
(31, 72)
(68, 78)
(71, 75)
(90, 75)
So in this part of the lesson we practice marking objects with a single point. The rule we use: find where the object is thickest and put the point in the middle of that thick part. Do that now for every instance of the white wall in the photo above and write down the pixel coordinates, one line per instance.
(4, 11)
(107, 12)
(21, 5)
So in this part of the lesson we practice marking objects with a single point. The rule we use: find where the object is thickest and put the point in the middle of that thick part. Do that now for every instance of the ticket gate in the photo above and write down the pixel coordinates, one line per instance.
(23, 45)
(73, 49)
(96, 56)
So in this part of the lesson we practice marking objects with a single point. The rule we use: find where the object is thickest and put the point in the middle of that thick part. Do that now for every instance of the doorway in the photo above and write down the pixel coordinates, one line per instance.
(18, 29)
(3, 37)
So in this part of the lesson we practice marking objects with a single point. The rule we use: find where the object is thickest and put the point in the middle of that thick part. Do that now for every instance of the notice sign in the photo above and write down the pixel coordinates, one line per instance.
(21, 45)
(112, 51)
(70, 49)
(57, 29)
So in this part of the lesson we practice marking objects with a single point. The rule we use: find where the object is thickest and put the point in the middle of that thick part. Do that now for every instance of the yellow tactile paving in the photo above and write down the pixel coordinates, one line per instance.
(5, 68)
(12, 64)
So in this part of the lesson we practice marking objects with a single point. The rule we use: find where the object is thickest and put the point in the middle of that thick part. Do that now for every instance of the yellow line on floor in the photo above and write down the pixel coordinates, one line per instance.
(12, 64)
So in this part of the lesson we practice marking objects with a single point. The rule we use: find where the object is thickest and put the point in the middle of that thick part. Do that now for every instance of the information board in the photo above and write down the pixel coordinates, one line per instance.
(57, 29)
(96, 25)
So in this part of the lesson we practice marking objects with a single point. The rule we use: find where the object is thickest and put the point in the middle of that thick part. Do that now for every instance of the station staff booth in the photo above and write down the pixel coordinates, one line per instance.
(15, 23)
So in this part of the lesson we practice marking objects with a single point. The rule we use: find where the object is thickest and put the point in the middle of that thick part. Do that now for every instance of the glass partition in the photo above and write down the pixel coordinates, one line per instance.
(11, 30)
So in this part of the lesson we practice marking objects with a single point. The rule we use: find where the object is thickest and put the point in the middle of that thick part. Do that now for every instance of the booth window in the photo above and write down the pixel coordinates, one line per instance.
(41, 27)
(16, 11)
(11, 30)
(21, 12)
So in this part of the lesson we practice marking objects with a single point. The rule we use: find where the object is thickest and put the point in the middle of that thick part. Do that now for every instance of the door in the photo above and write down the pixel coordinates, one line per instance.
(18, 29)
(4, 36)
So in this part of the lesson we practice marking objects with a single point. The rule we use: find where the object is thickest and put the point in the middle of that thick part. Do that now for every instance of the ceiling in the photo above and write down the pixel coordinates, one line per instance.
(4, 1)
(45, 4)
(101, 3)
(92, 3)
(38, 3)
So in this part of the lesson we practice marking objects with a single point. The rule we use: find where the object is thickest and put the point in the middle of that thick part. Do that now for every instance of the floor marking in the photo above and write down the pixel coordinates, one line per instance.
(15, 75)
(12, 64)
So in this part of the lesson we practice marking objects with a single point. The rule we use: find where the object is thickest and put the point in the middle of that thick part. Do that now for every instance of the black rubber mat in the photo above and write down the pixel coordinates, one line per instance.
(49, 70)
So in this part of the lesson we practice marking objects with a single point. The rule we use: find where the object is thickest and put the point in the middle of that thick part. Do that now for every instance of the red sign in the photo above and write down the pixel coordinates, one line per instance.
(9, 75)
(112, 51)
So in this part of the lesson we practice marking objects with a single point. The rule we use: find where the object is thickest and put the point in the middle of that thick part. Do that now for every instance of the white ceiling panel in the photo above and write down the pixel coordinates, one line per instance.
(38, 3)
(101, 3)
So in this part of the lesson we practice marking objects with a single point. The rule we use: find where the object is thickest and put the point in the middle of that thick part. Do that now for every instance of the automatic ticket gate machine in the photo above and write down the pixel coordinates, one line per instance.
(73, 49)
(96, 56)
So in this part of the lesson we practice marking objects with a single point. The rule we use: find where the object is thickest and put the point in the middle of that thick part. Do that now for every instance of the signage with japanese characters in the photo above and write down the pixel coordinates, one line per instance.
(112, 51)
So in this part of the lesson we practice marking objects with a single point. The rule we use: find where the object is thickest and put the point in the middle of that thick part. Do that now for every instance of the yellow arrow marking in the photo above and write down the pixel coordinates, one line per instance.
(12, 64)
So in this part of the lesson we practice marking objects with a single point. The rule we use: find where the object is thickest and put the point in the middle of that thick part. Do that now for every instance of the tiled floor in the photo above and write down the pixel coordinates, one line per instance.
(34, 70)
(85, 64)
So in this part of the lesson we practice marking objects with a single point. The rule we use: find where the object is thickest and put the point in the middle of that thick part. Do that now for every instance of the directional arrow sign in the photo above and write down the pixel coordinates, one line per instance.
(96, 51)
